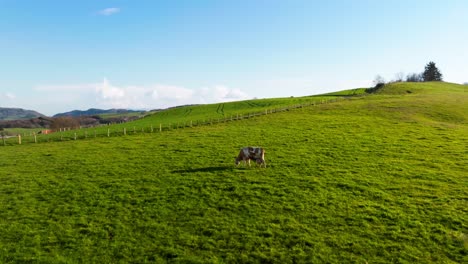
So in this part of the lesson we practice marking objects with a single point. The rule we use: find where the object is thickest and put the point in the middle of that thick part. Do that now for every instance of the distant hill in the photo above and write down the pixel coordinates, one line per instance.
(18, 114)
(20, 118)
(83, 121)
(94, 111)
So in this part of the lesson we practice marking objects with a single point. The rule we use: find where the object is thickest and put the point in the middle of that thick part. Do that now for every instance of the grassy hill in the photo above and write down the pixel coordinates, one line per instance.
(376, 179)
(100, 112)
(188, 116)
(18, 114)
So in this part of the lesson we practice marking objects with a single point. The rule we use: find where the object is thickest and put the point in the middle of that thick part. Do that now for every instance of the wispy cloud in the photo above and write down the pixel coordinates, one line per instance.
(162, 96)
(109, 11)
(10, 96)
(108, 92)
(107, 95)
(7, 96)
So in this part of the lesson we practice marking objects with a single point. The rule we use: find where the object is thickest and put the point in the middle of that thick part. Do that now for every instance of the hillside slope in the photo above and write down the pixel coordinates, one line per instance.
(18, 114)
(94, 111)
(432, 102)
(376, 179)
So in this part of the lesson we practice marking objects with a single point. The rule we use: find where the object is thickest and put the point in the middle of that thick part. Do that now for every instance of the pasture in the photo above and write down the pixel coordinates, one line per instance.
(180, 117)
(374, 179)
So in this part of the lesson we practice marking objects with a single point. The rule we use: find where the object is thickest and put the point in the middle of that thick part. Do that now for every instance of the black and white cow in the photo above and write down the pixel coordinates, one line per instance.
(251, 153)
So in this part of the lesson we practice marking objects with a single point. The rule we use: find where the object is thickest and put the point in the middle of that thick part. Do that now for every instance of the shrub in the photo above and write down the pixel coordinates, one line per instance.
(374, 89)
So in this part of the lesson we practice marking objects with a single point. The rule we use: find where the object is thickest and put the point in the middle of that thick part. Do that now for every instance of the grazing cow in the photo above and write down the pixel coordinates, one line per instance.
(251, 153)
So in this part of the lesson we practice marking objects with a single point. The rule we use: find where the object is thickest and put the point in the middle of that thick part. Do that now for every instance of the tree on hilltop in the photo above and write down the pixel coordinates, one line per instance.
(431, 73)
(414, 77)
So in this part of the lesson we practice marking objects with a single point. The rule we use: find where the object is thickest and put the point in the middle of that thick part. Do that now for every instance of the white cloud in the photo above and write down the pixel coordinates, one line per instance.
(170, 92)
(166, 95)
(235, 95)
(107, 95)
(109, 11)
(7, 99)
(107, 91)
(220, 93)
(9, 96)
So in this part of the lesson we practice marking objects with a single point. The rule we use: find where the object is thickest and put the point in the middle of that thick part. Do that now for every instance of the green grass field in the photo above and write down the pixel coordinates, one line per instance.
(181, 117)
(372, 179)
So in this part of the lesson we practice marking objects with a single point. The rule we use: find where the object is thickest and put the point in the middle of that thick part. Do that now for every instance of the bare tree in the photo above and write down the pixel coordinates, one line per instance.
(414, 77)
(379, 83)
(64, 122)
(399, 77)
(378, 80)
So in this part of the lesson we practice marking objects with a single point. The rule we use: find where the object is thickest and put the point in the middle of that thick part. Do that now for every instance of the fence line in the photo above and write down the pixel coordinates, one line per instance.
(62, 134)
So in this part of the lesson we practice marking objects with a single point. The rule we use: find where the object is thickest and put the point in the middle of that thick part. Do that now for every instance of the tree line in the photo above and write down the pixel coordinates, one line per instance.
(430, 74)
(56, 123)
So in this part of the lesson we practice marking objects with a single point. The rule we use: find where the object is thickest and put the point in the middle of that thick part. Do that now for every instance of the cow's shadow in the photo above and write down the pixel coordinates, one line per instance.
(205, 169)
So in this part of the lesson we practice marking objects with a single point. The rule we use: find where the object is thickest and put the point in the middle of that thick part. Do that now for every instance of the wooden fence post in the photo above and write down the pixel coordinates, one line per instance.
(75, 135)
(19, 139)
(108, 132)
(125, 131)
(35, 138)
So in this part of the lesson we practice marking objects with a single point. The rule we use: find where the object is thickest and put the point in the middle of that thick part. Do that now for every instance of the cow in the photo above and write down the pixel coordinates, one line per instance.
(251, 153)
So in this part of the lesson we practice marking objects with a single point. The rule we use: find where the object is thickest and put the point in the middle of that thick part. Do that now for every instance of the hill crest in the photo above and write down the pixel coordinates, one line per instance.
(400, 88)
(95, 111)
(18, 114)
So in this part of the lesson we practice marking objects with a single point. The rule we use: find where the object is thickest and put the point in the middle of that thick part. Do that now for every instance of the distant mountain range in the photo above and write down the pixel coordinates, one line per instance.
(8, 114)
(20, 118)
(18, 114)
(94, 111)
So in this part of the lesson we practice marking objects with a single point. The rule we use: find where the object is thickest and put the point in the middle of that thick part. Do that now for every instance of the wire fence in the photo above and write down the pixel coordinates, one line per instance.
(68, 134)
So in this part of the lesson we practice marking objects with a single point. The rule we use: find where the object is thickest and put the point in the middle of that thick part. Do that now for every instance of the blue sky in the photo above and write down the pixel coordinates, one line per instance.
(57, 56)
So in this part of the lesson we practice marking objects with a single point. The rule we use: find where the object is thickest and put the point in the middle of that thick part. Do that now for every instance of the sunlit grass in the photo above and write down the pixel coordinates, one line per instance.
(377, 179)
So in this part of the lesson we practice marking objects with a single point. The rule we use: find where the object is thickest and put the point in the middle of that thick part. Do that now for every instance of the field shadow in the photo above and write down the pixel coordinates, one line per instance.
(206, 169)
